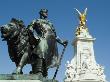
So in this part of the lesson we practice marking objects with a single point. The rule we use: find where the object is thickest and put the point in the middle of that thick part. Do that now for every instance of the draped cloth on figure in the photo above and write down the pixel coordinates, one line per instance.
(47, 46)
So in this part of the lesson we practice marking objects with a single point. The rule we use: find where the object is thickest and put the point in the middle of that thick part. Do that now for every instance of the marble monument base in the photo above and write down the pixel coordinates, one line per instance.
(24, 78)
(86, 81)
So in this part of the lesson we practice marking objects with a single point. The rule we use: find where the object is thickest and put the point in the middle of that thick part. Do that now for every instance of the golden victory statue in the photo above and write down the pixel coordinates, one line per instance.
(82, 21)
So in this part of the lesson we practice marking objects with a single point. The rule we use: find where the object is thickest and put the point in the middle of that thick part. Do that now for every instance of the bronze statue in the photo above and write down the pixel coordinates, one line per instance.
(35, 45)
(17, 39)
(46, 51)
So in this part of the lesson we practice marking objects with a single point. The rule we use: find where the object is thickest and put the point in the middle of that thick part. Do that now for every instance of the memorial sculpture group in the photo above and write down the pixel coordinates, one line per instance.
(36, 44)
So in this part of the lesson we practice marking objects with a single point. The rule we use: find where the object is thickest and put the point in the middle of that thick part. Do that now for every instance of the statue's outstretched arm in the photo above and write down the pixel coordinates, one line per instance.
(60, 41)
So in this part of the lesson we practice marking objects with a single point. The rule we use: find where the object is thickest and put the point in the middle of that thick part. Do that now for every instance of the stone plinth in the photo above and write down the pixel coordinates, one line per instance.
(85, 81)
(24, 78)
(20, 81)
(83, 66)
